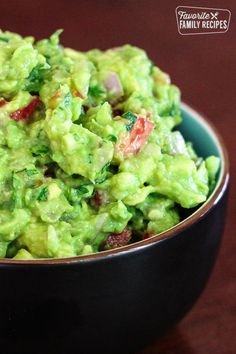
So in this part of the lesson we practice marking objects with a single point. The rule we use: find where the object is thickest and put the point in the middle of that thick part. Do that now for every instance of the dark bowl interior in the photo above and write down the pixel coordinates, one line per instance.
(116, 301)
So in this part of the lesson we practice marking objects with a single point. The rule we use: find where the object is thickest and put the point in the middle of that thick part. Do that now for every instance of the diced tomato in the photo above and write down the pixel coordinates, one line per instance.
(24, 113)
(133, 141)
(117, 240)
(2, 102)
(140, 132)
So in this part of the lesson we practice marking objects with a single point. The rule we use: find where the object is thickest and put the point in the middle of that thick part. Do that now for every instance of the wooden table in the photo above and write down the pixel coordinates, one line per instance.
(204, 68)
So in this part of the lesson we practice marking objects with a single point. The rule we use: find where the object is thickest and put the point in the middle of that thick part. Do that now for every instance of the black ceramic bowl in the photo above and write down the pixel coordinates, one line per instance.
(116, 301)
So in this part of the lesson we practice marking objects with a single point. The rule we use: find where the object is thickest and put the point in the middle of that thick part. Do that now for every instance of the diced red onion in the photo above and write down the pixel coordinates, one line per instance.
(113, 85)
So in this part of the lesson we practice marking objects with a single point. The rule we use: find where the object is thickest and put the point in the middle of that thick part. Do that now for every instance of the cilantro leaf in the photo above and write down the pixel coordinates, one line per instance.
(43, 194)
(36, 78)
(75, 194)
(82, 190)
(131, 117)
(112, 138)
(31, 172)
(4, 39)
(102, 174)
(96, 91)
(39, 150)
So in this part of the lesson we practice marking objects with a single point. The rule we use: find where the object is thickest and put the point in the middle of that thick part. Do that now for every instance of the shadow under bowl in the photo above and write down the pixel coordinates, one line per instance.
(117, 301)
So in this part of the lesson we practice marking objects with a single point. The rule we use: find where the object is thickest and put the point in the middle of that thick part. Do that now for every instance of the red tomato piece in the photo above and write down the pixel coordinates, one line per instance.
(117, 240)
(133, 142)
(2, 102)
(24, 113)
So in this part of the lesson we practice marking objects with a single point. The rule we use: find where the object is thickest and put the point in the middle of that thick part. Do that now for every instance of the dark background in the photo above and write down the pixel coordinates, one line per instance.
(204, 67)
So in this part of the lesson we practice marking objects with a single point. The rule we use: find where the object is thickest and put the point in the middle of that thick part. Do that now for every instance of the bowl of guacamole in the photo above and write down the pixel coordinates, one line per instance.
(92, 158)
(113, 199)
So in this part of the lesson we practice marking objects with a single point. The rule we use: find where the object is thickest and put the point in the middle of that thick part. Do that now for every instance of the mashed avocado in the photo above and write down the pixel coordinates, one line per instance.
(89, 157)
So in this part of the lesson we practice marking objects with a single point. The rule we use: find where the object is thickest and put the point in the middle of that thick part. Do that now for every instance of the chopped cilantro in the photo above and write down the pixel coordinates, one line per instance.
(36, 78)
(96, 91)
(39, 150)
(4, 39)
(74, 195)
(82, 190)
(31, 172)
(102, 175)
(131, 118)
(43, 194)
(112, 138)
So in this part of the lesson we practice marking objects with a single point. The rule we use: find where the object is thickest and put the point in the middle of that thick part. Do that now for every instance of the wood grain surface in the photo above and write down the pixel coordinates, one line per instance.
(204, 67)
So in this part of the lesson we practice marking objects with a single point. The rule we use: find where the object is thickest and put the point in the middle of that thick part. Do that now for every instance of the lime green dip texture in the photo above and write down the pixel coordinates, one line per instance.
(89, 158)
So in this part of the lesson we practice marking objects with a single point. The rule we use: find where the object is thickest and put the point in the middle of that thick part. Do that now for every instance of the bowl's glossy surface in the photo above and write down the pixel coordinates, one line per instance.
(116, 301)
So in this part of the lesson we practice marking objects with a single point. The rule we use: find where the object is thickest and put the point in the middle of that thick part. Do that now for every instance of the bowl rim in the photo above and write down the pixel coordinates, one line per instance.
(172, 232)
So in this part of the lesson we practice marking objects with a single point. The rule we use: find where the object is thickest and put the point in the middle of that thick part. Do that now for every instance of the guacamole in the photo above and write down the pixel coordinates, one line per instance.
(90, 157)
